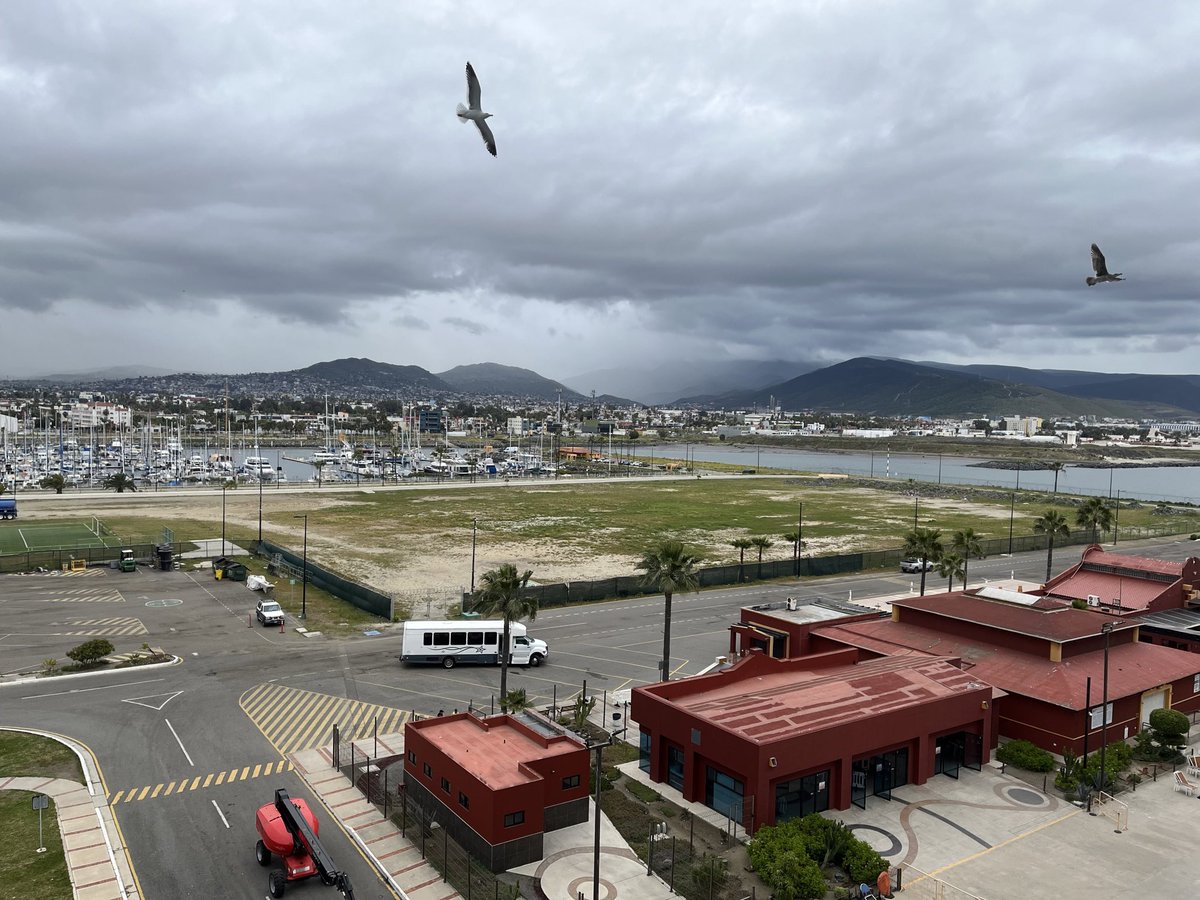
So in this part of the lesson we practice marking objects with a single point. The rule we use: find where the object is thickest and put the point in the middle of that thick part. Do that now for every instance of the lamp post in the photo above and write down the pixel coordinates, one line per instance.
(916, 508)
(1106, 630)
(799, 538)
(1012, 500)
(474, 528)
(304, 576)
(224, 490)
(260, 481)
(1116, 518)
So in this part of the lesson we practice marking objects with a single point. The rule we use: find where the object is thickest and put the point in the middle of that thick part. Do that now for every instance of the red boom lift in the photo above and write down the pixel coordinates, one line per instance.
(288, 828)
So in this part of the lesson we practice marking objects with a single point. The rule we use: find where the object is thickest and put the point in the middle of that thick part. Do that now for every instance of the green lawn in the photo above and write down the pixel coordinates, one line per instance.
(29, 875)
(32, 754)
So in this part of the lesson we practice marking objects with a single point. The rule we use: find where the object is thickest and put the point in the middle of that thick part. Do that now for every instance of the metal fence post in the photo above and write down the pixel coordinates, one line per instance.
(671, 886)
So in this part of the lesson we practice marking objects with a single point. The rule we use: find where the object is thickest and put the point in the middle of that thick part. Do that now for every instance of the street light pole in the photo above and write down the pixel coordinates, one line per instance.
(916, 508)
(1106, 629)
(1116, 518)
(224, 491)
(799, 538)
(474, 527)
(260, 481)
(1012, 500)
(304, 576)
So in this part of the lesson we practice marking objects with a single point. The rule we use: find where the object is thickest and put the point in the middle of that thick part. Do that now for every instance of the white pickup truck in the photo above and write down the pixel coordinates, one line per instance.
(268, 612)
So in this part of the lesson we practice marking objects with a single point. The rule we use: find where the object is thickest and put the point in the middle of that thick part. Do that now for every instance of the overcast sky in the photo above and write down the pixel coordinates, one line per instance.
(225, 186)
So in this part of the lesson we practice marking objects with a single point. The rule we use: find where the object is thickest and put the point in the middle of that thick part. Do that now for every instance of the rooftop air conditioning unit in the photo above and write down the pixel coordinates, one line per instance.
(1093, 600)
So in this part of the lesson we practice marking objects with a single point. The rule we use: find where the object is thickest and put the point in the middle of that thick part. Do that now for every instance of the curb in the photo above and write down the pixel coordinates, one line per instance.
(6, 681)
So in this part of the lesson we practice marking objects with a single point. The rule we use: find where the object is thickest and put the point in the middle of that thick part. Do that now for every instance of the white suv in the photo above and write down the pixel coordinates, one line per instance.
(914, 565)
(269, 612)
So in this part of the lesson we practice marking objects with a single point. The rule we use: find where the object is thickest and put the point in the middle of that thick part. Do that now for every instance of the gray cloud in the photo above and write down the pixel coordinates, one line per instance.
(806, 181)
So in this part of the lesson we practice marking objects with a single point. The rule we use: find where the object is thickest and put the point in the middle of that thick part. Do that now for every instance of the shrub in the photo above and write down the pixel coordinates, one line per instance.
(800, 878)
(1025, 755)
(862, 863)
(92, 651)
(825, 840)
(643, 792)
(709, 874)
(50, 666)
(1169, 723)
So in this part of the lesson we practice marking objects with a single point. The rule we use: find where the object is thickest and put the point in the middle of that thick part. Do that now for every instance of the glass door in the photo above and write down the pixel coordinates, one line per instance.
(858, 783)
(973, 751)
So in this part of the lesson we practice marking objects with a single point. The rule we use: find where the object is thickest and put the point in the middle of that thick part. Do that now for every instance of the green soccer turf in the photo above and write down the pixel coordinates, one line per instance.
(17, 538)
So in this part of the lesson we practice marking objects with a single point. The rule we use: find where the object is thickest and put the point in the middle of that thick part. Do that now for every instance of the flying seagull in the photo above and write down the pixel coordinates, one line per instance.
(473, 112)
(1101, 269)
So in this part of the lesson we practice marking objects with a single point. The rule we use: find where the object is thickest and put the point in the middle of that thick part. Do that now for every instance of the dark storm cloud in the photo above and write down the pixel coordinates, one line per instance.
(807, 180)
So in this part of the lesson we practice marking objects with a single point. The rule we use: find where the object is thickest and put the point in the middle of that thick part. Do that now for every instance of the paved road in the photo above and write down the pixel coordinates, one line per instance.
(188, 748)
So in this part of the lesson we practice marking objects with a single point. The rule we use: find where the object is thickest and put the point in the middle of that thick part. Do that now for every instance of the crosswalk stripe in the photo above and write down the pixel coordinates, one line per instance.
(295, 719)
(199, 782)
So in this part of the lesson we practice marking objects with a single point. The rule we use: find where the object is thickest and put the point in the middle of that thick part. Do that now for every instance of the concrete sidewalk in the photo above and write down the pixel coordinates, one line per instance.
(97, 861)
(564, 871)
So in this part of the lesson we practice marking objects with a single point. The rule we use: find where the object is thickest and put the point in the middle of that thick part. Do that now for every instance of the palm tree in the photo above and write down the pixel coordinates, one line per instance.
(1056, 467)
(55, 481)
(924, 544)
(953, 565)
(793, 538)
(502, 593)
(762, 543)
(966, 543)
(1095, 516)
(669, 568)
(741, 545)
(318, 464)
(120, 482)
(1052, 524)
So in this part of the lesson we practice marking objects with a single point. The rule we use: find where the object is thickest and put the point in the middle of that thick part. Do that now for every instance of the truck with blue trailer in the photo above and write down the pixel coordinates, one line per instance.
(8, 508)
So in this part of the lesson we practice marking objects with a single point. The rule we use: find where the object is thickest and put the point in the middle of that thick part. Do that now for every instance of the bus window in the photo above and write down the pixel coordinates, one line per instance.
(491, 639)
(427, 639)
(458, 638)
(475, 638)
(441, 639)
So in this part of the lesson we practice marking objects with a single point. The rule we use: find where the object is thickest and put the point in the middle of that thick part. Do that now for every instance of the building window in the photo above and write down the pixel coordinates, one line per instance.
(644, 744)
(412, 756)
(446, 785)
(463, 801)
(696, 736)
(675, 767)
(1097, 711)
(801, 796)
(571, 781)
(514, 818)
(723, 793)
(428, 770)
(1196, 684)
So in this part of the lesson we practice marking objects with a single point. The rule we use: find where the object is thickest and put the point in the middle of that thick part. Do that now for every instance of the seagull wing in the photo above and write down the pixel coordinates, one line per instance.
(472, 88)
(1098, 261)
(486, 132)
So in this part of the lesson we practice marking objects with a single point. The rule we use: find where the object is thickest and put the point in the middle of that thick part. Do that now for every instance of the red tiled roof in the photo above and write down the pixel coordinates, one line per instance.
(493, 751)
(769, 699)
(1058, 624)
(1133, 667)
(1134, 593)
(1160, 566)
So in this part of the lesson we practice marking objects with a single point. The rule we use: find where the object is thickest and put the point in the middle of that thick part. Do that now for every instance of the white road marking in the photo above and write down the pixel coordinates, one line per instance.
(85, 690)
(179, 742)
(221, 814)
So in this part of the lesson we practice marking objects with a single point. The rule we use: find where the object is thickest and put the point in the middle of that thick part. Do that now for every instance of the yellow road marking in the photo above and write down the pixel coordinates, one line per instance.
(195, 782)
(220, 777)
(116, 797)
(157, 788)
(145, 791)
(207, 780)
(199, 782)
(256, 770)
(244, 771)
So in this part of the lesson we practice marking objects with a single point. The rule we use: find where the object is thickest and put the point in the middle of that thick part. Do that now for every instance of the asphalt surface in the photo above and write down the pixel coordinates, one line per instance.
(188, 752)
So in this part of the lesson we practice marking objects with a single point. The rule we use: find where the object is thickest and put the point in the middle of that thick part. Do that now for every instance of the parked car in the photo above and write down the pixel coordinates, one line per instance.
(915, 565)
(269, 612)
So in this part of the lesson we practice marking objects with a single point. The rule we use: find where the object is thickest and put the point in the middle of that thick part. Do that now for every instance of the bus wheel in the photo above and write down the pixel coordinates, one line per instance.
(447, 662)
(535, 660)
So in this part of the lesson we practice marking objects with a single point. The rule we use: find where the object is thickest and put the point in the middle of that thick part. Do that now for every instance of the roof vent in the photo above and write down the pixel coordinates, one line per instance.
(1093, 600)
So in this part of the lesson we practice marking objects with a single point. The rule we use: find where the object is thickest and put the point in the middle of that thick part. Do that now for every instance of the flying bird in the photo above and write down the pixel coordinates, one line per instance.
(472, 112)
(1101, 269)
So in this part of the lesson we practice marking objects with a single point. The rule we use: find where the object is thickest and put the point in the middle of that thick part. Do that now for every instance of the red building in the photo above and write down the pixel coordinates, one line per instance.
(1041, 658)
(1121, 585)
(498, 783)
(768, 739)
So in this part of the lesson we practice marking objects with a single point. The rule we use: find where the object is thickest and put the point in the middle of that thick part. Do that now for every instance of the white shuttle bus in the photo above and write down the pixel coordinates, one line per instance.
(469, 642)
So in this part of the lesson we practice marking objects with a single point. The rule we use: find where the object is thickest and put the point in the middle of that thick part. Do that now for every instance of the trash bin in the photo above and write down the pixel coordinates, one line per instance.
(235, 571)
(166, 559)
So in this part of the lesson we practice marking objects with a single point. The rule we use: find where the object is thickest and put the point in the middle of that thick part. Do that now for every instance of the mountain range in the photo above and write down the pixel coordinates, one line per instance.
(866, 385)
